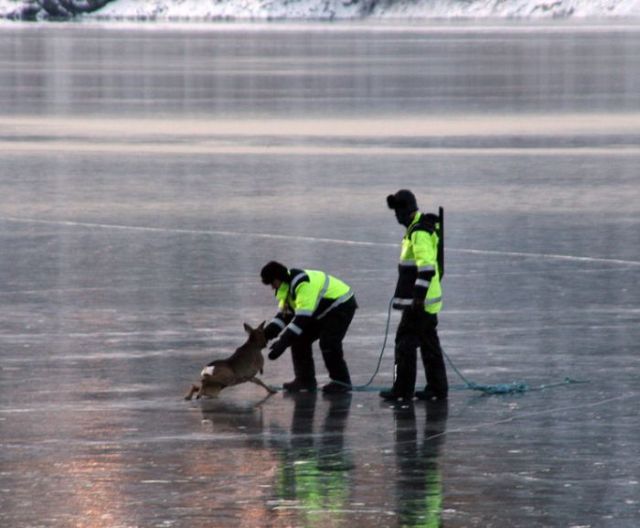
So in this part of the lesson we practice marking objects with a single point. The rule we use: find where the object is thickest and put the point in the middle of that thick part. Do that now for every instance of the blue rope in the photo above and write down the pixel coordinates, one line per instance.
(499, 388)
(514, 387)
(366, 387)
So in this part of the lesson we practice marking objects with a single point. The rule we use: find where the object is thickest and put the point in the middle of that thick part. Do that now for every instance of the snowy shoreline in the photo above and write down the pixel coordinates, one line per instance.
(314, 10)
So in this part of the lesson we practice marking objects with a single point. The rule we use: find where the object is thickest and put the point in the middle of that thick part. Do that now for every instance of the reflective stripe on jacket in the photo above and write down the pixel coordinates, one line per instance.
(311, 294)
(418, 273)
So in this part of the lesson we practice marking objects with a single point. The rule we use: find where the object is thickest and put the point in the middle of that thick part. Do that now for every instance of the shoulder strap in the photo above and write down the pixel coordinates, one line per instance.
(432, 223)
(427, 222)
(297, 276)
(441, 241)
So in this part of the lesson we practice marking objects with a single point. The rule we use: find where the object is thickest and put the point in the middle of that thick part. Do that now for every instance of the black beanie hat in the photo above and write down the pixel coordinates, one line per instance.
(274, 270)
(403, 199)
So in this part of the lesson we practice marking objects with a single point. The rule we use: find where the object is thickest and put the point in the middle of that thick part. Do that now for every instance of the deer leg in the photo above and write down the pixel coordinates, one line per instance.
(192, 391)
(258, 381)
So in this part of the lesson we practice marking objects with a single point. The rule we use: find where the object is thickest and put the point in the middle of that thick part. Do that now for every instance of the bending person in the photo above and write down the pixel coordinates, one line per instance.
(313, 305)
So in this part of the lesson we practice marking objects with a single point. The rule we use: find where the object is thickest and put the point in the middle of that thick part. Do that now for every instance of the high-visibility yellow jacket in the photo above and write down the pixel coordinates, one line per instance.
(418, 270)
(311, 294)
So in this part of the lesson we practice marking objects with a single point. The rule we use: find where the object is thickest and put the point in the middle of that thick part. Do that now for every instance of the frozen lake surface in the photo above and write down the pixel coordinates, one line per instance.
(147, 175)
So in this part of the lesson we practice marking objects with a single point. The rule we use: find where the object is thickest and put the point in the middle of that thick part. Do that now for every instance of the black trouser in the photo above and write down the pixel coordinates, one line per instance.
(329, 331)
(418, 329)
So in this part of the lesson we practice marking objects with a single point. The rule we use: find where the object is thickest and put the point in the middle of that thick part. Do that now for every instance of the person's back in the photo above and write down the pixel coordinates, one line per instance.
(313, 305)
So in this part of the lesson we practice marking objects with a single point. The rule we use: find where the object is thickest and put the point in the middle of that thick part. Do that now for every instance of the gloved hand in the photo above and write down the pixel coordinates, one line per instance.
(277, 349)
(271, 331)
(417, 305)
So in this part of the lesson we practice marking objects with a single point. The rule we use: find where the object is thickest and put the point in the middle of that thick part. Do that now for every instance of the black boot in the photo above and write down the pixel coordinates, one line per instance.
(336, 387)
(405, 373)
(430, 395)
(394, 395)
(299, 385)
(338, 372)
(437, 387)
(303, 369)
(334, 328)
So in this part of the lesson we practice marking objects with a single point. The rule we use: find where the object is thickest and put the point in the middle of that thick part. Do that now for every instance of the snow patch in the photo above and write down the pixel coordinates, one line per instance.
(184, 10)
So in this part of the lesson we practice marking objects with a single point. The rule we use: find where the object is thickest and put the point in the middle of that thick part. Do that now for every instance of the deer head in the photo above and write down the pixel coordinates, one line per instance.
(256, 335)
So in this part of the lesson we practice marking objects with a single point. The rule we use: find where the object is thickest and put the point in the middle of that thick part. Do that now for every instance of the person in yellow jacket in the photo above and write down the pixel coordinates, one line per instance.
(418, 294)
(313, 305)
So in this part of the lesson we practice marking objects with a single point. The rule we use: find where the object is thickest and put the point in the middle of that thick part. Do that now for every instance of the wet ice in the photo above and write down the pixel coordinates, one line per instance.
(132, 240)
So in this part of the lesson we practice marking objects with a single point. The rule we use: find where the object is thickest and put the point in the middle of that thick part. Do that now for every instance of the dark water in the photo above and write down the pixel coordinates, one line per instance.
(146, 176)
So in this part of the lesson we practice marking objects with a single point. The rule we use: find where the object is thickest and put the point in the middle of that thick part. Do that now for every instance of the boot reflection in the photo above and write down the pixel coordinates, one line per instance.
(419, 479)
(332, 454)
(314, 469)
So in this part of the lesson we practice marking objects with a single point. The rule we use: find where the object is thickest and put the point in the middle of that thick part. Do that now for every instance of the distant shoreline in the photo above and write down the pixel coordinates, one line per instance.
(265, 11)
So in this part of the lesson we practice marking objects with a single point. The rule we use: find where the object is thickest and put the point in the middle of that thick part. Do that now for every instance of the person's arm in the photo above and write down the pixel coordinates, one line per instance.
(277, 324)
(305, 304)
(426, 257)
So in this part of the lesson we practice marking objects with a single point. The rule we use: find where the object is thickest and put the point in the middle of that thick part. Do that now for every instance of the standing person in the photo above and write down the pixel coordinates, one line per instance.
(419, 296)
(313, 305)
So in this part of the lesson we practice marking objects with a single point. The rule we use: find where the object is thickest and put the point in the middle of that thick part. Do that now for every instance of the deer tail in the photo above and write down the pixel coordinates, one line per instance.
(215, 362)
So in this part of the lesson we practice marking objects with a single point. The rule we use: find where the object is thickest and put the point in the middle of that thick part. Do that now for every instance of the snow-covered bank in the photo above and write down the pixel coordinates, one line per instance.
(165, 10)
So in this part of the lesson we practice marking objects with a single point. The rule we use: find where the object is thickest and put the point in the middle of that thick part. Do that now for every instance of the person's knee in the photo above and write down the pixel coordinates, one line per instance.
(329, 345)
(407, 342)
(300, 348)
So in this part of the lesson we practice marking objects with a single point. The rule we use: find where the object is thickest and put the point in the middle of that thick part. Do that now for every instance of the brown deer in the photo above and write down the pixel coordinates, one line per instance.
(241, 366)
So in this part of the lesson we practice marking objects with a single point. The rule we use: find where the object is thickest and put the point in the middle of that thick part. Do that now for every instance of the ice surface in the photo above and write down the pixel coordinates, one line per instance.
(147, 176)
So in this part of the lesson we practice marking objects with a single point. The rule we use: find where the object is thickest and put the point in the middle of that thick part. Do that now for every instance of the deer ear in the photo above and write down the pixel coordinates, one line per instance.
(261, 327)
(247, 328)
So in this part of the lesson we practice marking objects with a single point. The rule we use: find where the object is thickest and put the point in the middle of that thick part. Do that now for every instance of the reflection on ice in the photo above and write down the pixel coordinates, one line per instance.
(147, 176)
